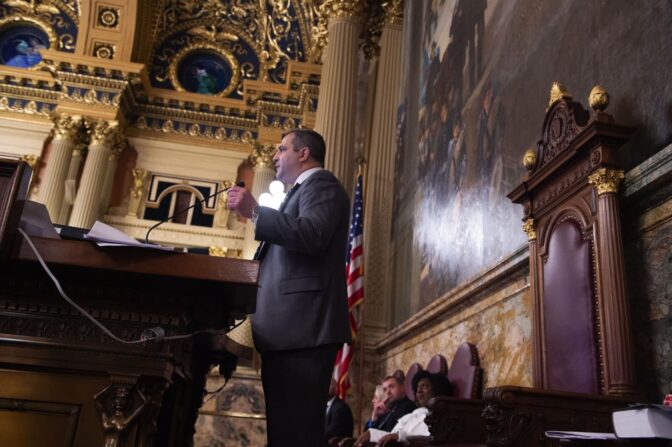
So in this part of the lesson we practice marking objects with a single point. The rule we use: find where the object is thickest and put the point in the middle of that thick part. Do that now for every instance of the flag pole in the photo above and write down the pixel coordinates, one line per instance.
(360, 383)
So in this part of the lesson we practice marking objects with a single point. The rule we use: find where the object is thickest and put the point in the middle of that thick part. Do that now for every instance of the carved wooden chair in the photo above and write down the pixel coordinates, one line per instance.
(583, 364)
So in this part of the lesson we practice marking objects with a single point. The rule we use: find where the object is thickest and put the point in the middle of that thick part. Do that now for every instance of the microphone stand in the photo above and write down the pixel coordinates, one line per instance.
(241, 184)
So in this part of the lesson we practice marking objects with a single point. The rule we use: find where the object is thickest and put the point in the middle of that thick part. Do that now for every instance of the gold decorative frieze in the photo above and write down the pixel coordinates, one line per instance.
(530, 230)
(108, 17)
(606, 181)
(262, 155)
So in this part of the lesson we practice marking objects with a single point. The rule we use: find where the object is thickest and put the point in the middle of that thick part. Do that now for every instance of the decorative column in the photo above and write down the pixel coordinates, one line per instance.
(620, 376)
(85, 211)
(66, 131)
(70, 184)
(117, 148)
(379, 186)
(264, 174)
(539, 370)
(335, 118)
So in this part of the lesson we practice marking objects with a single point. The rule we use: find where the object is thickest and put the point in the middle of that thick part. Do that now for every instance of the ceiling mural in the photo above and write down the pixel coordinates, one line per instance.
(212, 46)
(29, 26)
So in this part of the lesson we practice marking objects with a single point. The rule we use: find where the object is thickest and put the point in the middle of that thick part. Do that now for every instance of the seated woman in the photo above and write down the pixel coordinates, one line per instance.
(425, 386)
(379, 404)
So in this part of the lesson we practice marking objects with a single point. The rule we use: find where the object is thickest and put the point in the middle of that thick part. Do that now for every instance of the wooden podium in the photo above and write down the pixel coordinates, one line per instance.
(63, 381)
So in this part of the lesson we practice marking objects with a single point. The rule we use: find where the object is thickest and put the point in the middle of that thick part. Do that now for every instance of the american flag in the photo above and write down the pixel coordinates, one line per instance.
(354, 267)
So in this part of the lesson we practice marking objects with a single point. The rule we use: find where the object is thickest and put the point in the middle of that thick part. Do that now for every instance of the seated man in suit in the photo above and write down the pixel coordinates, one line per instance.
(396, 402)
(339, 416)
(425, 386)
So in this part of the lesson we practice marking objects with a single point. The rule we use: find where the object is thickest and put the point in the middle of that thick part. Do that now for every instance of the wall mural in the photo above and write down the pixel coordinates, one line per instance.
(476, 102)
(463, 221)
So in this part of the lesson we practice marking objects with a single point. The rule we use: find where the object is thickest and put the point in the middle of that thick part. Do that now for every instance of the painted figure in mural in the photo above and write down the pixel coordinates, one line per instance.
(28, 53)
(206, 83)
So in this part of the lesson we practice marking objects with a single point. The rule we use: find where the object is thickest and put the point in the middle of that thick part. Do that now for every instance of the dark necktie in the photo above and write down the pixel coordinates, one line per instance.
(263, 246)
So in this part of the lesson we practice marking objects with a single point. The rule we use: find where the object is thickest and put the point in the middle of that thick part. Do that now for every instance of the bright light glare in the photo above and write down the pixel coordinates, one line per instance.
(276, 188)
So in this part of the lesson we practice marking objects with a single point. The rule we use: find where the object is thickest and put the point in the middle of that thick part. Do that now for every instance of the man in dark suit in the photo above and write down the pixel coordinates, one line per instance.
(339, 421)
(302, 316)
(398, 404)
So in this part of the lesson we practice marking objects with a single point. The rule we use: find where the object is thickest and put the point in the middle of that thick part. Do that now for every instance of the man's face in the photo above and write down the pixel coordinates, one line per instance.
(288, 160)
(393, 390)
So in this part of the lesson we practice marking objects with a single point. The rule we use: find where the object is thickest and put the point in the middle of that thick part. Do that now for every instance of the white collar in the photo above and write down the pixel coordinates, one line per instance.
(307, 173)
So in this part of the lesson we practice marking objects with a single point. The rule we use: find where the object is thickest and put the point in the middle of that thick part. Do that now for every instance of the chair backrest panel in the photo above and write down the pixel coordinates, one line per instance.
(569, 318)
(465, 372)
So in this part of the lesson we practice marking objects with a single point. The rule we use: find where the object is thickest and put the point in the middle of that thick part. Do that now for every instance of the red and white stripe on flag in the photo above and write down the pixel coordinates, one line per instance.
(354, 266)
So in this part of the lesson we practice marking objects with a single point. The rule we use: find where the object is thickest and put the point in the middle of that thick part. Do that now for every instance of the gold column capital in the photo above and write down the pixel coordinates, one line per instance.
(262, 155)
(343, 9)
(67, 127)
(606, 181)
(530, 230)
(394, 12)
(106, 133)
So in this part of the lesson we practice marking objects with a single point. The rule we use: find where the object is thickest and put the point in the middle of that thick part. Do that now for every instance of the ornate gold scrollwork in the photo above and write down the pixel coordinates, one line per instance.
(214, 48)
(262, 155)
(31, 159)
(606, 181)
(217, 251)
(529, 229)
(139, 177)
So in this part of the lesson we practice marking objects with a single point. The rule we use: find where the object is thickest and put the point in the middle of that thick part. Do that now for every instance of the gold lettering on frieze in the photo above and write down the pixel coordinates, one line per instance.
(606, 181)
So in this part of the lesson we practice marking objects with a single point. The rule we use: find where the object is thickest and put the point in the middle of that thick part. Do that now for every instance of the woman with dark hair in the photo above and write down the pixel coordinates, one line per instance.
(425, 386)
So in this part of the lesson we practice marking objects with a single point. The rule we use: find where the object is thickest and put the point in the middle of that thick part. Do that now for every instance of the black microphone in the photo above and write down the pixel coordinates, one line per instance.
(241, 184)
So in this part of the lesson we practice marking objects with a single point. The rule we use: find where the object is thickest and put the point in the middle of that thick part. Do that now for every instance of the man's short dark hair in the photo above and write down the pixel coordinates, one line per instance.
(312, 140)
(441, 386)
